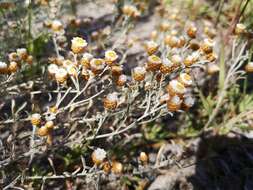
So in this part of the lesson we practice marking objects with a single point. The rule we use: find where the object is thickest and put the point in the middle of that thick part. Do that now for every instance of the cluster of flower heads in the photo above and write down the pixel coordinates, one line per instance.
(241, 29)
(15, 61)
(85, 64)
(43, 128)
(88, 66)
(57, 28)
(181, 52)
(100, 159)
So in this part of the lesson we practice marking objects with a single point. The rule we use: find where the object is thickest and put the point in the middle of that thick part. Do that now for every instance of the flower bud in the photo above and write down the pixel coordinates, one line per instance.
(13, 67)
(49, 125)
(106, 167)
(143, 157)
(164, 26)
(249, 67)
(117, 167)
(43, 131)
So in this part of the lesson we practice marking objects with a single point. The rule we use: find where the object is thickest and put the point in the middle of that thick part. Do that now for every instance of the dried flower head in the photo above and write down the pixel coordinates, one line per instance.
(182, 41)
(49, 125)
(139, 73)
(151, 47)
(61, 75)
(3, 67)
(107, 167)
(36, 119)
(13, 57)
(22, 53)
(98, 156)
(211, 57)
(207, 46)
(130, 10)
(192, 31)
(78, 45)
(121, 80)
(176, 60)
(191, 59)
(97, 65)
(172, 41)
(167, 66)
(110, 57)
(154, 63)
(185, 79)
(116, 70)
(194, 44)
(240, 29)
(85, 60)
(111, 101)
(174, 103)
(56, 25)
(52, 69)
(175, 88)
(210, 32)
(72, 70)
(188, 102)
